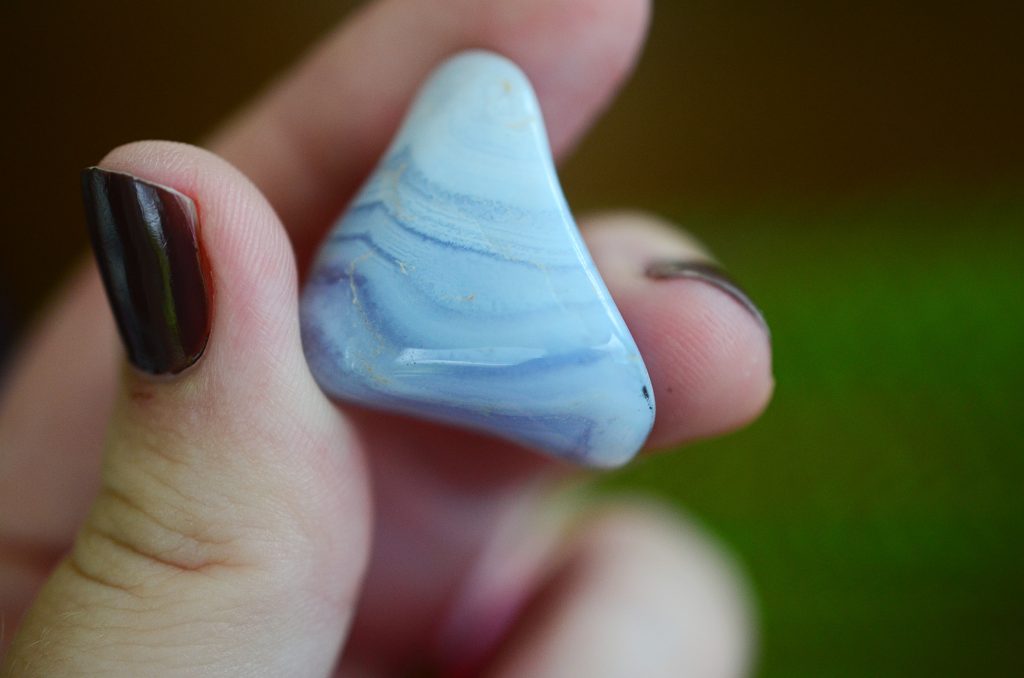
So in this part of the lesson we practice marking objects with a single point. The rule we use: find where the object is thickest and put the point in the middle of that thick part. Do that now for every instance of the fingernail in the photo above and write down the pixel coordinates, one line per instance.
(146, 241)
(710, 274)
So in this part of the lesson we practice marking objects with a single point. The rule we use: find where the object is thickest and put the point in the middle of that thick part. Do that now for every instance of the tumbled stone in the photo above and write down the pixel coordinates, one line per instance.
(457, 288)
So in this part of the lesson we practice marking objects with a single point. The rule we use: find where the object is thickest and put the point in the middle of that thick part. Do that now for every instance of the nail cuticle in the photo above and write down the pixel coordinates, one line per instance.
(146, 240)
(710, 273)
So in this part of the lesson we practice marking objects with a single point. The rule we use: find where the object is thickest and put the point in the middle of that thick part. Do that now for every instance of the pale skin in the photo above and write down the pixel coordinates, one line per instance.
(232, 521)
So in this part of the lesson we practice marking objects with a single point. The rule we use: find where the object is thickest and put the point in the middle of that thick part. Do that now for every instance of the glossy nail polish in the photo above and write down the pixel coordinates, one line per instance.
(146, 241)
(709, 273)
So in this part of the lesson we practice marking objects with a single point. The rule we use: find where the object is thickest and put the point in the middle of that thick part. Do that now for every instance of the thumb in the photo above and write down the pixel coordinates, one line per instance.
(231, 530)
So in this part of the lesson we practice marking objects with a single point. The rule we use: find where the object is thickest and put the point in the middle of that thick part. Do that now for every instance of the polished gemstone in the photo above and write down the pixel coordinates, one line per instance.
(457, 288)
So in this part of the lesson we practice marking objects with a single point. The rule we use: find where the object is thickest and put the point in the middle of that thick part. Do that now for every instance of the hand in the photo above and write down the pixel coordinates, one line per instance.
(232, 520)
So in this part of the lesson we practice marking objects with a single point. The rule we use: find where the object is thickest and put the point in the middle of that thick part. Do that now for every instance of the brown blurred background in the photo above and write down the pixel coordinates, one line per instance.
(859, 165)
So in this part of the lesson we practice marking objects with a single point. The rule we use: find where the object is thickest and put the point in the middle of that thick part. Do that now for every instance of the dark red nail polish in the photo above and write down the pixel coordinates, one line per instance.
(146, 241)
(710, 274)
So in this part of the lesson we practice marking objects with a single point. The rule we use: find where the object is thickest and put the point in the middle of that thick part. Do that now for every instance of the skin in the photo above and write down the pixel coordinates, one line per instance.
(232, 521)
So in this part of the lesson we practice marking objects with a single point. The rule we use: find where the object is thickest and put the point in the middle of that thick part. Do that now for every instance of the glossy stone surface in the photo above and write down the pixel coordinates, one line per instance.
(456, 287)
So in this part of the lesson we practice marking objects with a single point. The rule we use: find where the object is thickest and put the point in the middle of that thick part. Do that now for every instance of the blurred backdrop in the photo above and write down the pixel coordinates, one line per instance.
(859, 166)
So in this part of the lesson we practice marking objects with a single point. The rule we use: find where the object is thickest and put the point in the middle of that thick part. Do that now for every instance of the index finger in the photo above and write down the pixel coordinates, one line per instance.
(310, 140)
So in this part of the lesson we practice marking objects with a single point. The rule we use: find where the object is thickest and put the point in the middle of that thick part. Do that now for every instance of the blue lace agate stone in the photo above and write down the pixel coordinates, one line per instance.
(456, 288)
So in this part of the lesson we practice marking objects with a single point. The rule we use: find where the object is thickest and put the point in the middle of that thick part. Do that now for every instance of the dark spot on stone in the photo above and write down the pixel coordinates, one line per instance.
(647, 397)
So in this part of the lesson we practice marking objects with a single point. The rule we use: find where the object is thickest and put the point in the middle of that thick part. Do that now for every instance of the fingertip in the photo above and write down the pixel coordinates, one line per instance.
(713, 361)
(250, 265)
(681, 606)
(606, 37)
(707, 349)
(244, 381)
(239, 222)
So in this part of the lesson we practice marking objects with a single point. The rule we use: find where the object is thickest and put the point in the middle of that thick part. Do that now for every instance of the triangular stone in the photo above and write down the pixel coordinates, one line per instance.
(456, 287)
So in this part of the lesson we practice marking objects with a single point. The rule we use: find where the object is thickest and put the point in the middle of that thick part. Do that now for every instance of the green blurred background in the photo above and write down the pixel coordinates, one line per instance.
(860, 167)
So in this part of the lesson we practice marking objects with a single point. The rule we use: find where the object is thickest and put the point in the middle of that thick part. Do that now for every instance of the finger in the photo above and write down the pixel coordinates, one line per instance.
(312, 138)
(230, 529)
(44, 493)
(46, 408)
(636, 593)
(705, 344)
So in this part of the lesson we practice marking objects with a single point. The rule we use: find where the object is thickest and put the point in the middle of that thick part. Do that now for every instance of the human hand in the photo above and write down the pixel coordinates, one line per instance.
(231, 524)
